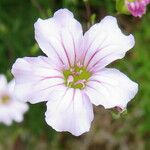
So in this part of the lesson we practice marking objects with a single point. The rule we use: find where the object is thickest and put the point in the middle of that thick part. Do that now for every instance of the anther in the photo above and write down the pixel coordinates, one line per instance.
(81, 82)
(70, 79)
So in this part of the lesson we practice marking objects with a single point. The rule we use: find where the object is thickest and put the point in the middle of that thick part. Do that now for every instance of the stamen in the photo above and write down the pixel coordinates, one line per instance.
(69, 80)
(82, 82)
(76, 77)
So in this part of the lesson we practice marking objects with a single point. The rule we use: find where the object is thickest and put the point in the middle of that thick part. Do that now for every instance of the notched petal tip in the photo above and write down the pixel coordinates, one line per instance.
(111, 88)
(61, 130)
(112, 21)
(130, 41)
(69, 115)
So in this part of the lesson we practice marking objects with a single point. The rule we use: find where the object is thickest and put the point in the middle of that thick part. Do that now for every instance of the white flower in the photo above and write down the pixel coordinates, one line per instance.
(10, 108)
(73, 75)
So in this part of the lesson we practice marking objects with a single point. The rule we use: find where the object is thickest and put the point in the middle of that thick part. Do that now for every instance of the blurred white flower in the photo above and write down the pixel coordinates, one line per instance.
(74, 75)
(10, 107)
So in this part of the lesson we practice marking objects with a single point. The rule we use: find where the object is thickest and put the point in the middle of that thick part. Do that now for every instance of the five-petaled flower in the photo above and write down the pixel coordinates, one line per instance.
(10, 107)
(73, 76)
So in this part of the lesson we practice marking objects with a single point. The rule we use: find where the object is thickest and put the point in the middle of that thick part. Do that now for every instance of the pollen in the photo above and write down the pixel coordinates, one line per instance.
(76, 77)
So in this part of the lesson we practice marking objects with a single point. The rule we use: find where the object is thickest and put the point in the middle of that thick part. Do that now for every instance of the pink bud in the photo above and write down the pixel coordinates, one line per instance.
(138, 7)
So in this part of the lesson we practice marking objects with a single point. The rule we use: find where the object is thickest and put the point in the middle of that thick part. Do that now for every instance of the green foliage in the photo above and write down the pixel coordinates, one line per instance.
(121, 7)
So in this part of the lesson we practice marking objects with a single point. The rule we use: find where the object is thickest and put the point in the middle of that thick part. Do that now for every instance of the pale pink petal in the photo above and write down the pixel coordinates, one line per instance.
(111, 88)
(4, 116)
(104, 43)
(14, 110)
(59, 37)
(3, 82)
(17, 110)
(69, 110)
(35, 78)
(10, 87)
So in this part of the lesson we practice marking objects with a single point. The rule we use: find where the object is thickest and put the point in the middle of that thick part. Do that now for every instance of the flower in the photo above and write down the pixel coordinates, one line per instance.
(10, 108)
(73, 75)
(138, 7)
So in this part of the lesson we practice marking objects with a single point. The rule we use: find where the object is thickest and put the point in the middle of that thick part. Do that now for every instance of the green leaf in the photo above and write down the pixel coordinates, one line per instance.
(121, 7)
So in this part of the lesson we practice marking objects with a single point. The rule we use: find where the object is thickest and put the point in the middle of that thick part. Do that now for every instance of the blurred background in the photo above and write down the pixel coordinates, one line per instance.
(108, 132)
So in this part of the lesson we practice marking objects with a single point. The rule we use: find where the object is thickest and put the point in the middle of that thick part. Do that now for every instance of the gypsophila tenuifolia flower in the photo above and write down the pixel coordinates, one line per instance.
(10, 108)
(138, 7)
(73, 75)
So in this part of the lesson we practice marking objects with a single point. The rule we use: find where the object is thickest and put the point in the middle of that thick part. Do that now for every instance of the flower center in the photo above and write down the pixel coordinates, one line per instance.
(4, 99)
(76, 77)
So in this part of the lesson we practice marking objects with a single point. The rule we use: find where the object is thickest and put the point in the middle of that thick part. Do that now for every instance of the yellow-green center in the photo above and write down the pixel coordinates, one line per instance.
(4, 99)
(76, 77)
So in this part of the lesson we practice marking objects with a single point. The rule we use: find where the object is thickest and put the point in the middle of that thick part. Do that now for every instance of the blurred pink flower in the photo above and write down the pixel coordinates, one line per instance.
(73, 76)
(138, 7)
(10, 108)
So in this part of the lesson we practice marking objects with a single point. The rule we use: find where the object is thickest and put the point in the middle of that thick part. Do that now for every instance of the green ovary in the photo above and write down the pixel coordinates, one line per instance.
(76, 77)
